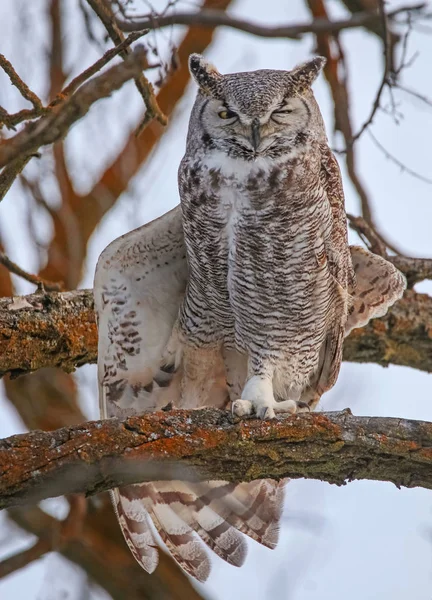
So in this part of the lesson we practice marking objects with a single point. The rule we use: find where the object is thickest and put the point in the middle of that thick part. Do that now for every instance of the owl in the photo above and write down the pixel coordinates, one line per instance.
(238, 298)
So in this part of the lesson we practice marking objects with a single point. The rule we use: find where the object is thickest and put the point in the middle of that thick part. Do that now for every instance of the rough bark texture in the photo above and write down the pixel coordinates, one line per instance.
(59, 330)
(50, 330)
(403, 337)
(210, 444)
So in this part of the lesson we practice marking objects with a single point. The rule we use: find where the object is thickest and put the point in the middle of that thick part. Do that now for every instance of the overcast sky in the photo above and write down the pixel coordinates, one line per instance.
(363, 540)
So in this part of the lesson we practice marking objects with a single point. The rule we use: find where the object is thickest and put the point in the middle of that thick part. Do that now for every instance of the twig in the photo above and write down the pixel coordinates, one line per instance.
(368, 234)
(10, 173)
(57, 538)
(415, 269)
(22, 559)
(337, 80)
(415, 94)
(373, 238)
(216, 18)
(26, 114)
(13, 169)
(55, 125)
(41, 283)
(19, 83)
(385, 78)
(105, 14)
(397, 162)
(106, 58)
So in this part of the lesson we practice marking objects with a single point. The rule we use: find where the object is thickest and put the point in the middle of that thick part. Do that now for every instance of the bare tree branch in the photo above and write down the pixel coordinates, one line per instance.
(414, 269)
(104, 556)
(97, 66)
(10, 173)
(49, 286)
(59, 330)
(57, 123)
(216, 18)
(403, 167)
(54, 539)
(11, 120)
(211, 444)
(145, 88)
(386, 73)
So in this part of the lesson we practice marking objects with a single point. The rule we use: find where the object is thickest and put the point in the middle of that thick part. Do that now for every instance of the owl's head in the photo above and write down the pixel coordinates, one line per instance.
(257, 113)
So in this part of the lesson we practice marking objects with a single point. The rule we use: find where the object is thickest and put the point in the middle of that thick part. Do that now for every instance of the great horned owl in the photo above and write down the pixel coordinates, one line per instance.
(244, 295)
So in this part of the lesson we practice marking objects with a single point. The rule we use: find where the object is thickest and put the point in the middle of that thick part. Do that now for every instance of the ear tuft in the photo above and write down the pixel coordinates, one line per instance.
(204, 73)
(305, 74)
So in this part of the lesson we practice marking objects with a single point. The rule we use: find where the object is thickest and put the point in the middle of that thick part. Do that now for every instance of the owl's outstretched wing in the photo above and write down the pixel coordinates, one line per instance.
(378, 285)
(139, 284)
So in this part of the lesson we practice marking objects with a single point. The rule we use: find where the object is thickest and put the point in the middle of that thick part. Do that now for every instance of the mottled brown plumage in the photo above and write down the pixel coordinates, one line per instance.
(244, 295)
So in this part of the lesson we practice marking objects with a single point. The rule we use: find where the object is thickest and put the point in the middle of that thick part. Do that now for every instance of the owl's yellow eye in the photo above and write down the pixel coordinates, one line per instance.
(227, 114)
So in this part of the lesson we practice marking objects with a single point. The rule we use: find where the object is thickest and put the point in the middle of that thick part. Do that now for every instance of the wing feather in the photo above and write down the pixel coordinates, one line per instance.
(139, 284)
(378, 286)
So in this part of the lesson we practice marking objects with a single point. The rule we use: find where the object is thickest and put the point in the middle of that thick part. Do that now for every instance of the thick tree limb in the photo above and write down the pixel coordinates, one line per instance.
(211, 444)
(59, 330)
(47, 330)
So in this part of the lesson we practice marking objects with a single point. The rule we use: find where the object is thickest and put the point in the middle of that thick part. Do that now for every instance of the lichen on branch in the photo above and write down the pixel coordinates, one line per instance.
(210, 444)
(59, 330)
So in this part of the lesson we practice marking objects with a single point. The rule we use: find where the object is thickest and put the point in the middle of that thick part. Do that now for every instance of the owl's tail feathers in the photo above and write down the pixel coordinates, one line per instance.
(378, 286)
(216, 511)
(136, 531)
(255, 509)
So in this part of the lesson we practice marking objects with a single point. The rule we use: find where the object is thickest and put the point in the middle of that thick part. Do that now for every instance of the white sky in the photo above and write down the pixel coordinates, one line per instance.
(367, 539)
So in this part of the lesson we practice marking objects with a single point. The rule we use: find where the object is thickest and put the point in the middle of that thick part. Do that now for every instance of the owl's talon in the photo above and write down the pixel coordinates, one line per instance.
(303, 407)
(242, 408)
(266, 413)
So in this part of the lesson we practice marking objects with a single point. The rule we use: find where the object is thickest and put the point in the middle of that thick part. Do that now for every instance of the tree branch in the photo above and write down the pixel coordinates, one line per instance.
(54, 126)
(211, 444)
(414, 269)
(145, 88)
(216, 18)
(59, 330)
(49, 286)
(103, 554)
(53, 539)
(47, 330)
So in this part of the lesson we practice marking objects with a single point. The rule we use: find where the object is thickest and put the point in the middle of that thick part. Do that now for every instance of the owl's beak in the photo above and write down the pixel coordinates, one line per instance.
(255, 133)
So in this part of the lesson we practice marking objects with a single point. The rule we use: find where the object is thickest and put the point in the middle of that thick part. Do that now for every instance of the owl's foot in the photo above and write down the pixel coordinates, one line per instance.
(242, 408)
(257, 398)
